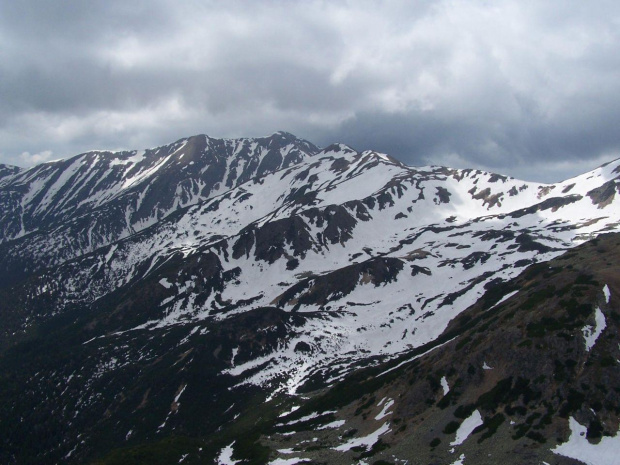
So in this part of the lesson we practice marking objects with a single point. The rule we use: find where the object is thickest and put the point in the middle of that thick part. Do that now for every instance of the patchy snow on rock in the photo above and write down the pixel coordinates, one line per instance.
(365, 441)
(591, 334)
(459, 461)
(486, 367)
(466, 428)
(577, 447)
(445, 386)
(384, 413)
(413, 358)
(225, 456)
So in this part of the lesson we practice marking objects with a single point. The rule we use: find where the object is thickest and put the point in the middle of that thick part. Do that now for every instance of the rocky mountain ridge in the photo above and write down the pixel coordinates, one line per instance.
(96, 198)
(208, 268)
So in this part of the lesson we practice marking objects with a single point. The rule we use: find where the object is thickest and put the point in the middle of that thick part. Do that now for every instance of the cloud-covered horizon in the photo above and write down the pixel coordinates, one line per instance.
(526, 88)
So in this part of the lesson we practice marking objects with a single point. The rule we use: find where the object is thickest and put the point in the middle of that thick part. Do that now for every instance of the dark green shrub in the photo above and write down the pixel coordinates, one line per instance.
(451, 427)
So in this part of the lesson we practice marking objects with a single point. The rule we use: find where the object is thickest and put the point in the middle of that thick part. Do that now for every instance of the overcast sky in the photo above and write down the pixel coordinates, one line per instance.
(526, 88)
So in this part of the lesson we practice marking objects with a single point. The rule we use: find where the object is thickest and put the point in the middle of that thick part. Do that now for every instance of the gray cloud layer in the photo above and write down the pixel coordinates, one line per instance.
(527, 88)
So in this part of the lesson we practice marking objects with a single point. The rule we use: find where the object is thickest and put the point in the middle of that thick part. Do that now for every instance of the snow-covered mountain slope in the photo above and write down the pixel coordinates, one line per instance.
(374, 243)
(290, 266)
(7, 172)
(96, 198)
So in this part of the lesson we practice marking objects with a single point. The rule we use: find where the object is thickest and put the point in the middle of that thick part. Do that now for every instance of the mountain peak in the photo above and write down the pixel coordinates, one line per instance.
(339, 147)
(286, 135)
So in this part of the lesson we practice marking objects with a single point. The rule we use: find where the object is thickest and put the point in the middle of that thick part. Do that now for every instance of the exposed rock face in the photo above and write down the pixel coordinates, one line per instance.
(179, 299)
(604, 195)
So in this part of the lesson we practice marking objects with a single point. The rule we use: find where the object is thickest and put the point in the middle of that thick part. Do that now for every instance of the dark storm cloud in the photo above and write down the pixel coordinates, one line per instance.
(525, 148)
(522, 87)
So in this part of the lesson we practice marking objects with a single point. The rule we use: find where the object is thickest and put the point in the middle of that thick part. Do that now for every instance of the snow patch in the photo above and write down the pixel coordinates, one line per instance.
(312, 416)
(332, 425)
(225, 456)
(365, 441)
(504, 299)
(445, 386)
(291, 461)
(128, 182)
(178, 396)
(288, 412)
(71, 452)
(607, 293)
(466, 428)
(591, 334)
(384, 413)
(577, 447)
(110, 253)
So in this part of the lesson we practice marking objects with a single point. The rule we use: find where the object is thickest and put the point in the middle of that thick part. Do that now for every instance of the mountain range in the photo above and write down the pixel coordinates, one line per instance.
(269, 301)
